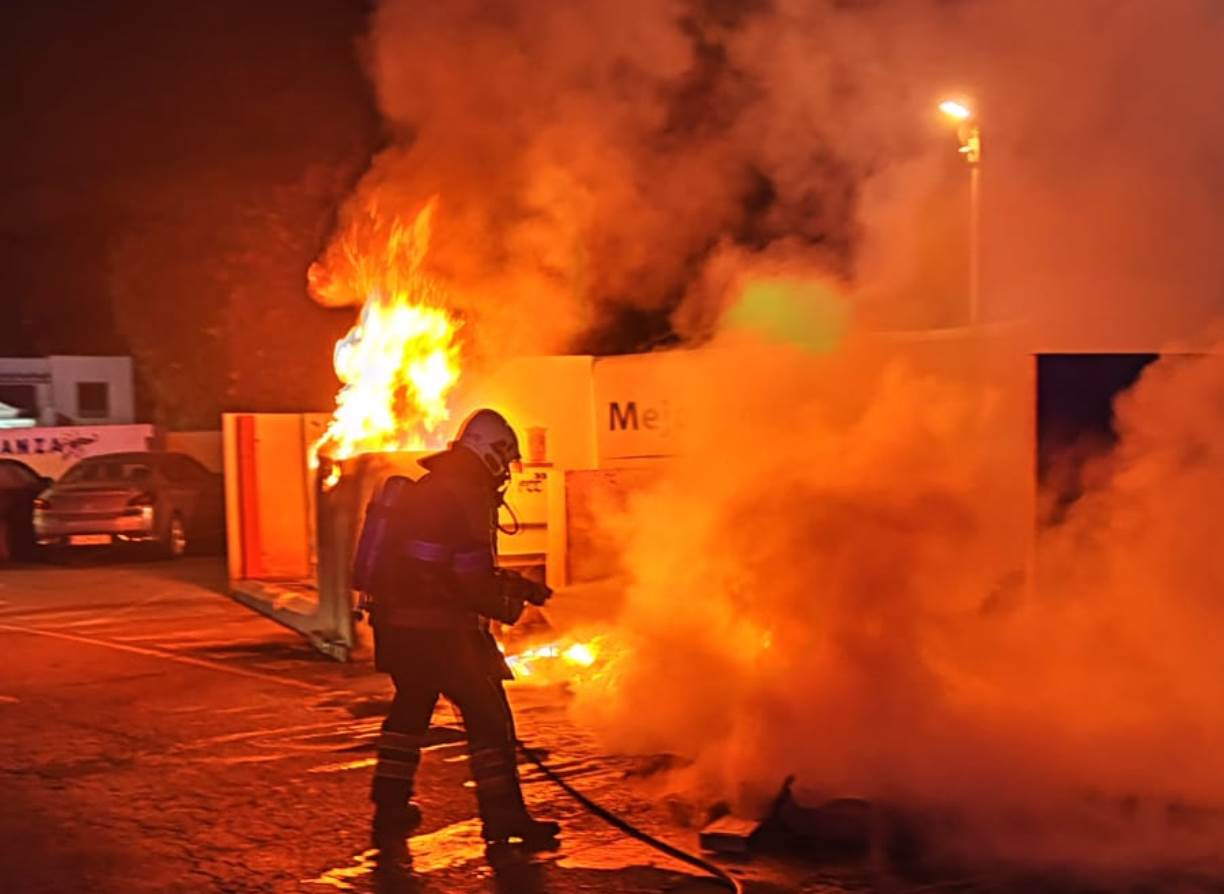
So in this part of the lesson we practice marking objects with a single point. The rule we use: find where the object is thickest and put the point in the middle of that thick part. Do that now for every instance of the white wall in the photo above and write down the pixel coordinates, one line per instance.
(23, 368)
(35, 371)
(55, 381)
(116, 372)
(548, 392)
(642, 403)
(639, 404)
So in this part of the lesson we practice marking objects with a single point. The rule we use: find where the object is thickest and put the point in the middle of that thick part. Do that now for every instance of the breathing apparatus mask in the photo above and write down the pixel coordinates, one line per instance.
(488, 435)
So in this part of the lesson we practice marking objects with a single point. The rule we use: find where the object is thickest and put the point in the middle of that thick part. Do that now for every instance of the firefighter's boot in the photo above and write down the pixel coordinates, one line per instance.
(395, 814)
(392, 825)
(500, 798)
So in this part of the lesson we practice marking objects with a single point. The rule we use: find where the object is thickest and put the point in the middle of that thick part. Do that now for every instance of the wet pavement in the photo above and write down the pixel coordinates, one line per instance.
(158, 737)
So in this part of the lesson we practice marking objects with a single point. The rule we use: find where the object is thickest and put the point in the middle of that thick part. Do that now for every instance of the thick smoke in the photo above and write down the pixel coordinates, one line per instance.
(550, 133)
(597, 157)
(850, 607)
(846, 600)
(594, 158)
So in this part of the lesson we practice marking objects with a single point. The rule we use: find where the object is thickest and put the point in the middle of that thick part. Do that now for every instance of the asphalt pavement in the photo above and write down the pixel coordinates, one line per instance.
(158, 737)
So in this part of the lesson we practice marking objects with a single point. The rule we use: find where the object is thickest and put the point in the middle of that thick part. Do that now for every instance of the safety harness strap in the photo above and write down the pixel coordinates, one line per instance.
(428, 551)
(473, 562)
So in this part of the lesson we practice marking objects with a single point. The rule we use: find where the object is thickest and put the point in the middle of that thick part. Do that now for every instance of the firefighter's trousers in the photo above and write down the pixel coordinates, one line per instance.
(452, 664)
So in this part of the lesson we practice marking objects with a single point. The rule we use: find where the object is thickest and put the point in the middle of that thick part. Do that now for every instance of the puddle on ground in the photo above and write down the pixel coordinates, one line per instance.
(364, 762)
(261, 710)
(239, 760)
(619, 854)
(455, 845)
(342, 877)
(442, 745)
(345, 766)
(342, 736)
(448, 848)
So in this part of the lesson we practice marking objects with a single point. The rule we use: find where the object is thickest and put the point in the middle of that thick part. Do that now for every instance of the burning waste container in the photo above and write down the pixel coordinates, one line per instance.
(292, 521)
(343, 490)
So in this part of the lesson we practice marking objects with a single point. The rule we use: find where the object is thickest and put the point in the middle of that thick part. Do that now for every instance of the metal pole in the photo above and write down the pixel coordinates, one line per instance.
(975, 243)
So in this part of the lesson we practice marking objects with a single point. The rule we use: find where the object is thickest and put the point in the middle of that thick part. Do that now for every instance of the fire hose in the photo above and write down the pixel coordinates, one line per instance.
(719, 874)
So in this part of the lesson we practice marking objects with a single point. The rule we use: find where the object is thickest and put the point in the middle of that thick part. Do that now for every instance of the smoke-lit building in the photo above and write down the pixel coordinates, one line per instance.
(63, 390)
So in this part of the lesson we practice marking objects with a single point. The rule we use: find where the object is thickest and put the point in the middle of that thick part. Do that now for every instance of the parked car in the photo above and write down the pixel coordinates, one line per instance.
(167, 500)
(19, 486)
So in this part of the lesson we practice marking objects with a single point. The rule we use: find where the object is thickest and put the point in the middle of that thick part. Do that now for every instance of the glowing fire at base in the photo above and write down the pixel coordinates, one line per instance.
(400, 361)
(557, 662)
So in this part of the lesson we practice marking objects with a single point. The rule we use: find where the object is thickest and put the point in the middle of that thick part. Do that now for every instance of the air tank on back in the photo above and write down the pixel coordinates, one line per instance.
(340, 506)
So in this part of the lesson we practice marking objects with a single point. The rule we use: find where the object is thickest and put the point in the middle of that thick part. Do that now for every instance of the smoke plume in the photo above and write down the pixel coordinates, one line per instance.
(831, 592)
(846, 600)
(596, 159)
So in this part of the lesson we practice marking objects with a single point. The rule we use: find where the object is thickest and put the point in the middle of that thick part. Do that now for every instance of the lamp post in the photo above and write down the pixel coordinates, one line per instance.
(970, 136)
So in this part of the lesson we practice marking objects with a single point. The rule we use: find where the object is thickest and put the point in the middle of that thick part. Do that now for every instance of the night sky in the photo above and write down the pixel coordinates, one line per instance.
(220, 135)
(169, 172)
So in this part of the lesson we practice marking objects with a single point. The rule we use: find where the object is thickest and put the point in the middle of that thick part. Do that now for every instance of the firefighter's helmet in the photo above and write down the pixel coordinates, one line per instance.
(487, 434)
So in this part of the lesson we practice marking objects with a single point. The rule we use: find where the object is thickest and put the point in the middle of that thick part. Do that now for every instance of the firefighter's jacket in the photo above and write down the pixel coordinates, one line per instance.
(442, 579)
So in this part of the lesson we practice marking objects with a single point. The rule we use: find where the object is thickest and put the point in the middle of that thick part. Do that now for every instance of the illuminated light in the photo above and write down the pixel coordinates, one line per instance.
(399, 363)
(955, 110)
(967, 130)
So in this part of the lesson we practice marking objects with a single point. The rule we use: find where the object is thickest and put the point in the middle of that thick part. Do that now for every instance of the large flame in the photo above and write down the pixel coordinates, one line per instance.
(400, 361)
(398, 365)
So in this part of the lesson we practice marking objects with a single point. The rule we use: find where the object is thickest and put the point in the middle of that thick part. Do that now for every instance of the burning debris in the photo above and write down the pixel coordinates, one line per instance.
(563, 661)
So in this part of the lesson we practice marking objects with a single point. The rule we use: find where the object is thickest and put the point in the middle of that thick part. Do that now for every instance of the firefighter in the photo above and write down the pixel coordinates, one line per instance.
(431, 633)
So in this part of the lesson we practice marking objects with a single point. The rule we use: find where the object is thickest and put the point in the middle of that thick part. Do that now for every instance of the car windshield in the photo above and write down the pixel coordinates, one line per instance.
(108, 470)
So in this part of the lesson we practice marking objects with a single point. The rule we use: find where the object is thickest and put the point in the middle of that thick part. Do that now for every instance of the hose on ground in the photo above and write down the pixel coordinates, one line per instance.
(716, 872)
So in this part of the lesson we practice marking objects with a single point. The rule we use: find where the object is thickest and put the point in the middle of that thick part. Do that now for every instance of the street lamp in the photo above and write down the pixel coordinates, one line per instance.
(970, 136)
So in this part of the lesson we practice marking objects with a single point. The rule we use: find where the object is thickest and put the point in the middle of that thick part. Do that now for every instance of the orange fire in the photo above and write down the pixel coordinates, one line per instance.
(558, 662)
(398, 365)
(400, 360)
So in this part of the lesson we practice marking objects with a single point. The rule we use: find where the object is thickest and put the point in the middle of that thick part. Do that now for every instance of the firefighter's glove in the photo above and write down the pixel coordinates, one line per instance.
(518, 587)
(537, 594)
(506, 609)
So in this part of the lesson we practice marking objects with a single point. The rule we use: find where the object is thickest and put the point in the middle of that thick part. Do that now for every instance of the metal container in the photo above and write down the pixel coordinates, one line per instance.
(340, 510)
